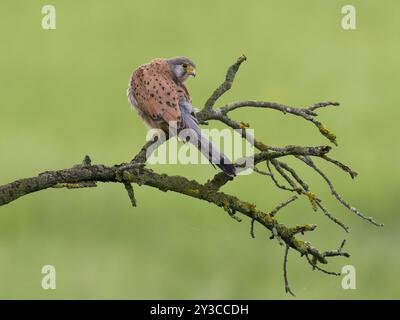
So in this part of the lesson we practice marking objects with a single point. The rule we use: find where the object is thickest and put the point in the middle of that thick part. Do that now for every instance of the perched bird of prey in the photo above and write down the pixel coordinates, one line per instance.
(157, 91)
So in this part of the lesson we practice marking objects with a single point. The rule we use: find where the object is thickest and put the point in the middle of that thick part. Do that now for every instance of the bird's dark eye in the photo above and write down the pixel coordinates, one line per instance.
(184, 66)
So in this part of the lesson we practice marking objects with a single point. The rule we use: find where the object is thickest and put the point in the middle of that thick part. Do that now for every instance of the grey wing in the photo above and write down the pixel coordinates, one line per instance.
(188, 115)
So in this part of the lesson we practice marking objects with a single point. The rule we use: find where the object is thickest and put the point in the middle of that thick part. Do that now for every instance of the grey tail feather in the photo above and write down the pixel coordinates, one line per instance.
(228, 168)
(214, 156)
(207, 149)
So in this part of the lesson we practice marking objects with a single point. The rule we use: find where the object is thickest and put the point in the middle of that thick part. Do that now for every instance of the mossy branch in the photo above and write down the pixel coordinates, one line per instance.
(135, 172)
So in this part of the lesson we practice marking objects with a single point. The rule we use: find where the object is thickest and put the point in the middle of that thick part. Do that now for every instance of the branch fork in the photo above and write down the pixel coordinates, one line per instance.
(87, 174)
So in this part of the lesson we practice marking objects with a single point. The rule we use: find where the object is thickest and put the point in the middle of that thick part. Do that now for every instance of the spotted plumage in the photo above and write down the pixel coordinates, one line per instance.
(156, 96)
(157, 91)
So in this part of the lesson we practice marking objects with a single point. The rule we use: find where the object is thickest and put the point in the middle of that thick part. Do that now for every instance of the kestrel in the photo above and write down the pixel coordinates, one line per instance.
(157, 92)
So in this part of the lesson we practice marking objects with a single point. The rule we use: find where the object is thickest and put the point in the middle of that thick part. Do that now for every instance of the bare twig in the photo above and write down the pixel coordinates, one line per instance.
(294, 175)
(282, 205)
(227, 84)
(342, 166)
(318, 105)
(330, 216)
(305, 113)
(276, 181)
(316, 267)
(131, 193)
(310, 163)
(285, 260)
(252, 228)
(337, 252)
(284, 175)
(331, 253)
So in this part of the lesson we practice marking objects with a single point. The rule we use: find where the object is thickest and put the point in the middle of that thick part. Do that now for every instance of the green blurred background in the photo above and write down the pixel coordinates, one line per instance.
(63, 96)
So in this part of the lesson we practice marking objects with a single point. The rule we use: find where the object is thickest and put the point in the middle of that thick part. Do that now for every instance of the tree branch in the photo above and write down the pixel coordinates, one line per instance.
(227, 84)
(285, 260)
(135, 172)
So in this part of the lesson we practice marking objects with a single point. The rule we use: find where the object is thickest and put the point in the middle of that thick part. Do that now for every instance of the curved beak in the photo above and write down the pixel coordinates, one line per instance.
(191, 71)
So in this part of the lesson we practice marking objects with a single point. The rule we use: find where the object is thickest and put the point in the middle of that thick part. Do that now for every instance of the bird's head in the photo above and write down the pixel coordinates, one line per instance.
(182, 68)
